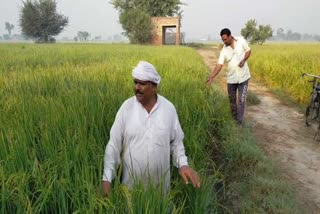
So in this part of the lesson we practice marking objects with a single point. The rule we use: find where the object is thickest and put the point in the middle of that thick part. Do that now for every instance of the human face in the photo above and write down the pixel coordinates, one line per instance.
(226, 39)
(145, 91)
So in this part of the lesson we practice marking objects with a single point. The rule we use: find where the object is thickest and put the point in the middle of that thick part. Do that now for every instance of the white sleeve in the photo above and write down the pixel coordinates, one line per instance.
(113, 148)
(221, 57)
(245, 45)
(176, 145)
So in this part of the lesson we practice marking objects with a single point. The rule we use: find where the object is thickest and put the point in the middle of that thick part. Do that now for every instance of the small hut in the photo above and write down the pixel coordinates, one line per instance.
(166, 31)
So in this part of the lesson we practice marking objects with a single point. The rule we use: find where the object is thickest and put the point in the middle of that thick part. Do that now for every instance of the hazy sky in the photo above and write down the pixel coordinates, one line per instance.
(200, 17)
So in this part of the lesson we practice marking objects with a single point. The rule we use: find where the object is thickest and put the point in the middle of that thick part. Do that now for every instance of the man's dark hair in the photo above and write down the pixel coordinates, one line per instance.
(225, 31)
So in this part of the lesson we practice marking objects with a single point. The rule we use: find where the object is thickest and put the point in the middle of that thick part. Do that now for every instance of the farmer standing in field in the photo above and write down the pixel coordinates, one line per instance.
(146, 131)
(236, 53)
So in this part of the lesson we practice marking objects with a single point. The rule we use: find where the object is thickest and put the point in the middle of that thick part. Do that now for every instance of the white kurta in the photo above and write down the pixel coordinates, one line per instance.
(233, 57)
(146, 142)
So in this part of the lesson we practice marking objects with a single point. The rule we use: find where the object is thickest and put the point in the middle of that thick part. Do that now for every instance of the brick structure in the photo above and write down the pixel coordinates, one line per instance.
(159, 28)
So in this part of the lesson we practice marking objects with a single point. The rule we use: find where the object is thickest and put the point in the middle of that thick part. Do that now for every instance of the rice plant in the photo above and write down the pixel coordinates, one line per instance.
(281, 66)
(57, 105)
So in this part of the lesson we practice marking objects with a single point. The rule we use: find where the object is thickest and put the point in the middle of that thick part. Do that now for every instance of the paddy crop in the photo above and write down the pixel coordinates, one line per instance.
(281, 66)
(57, 105)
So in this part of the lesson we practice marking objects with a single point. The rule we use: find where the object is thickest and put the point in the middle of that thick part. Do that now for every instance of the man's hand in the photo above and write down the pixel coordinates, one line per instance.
(106, 187)
(209, 81)
(188, 174)
(214, 73)
(241, 63)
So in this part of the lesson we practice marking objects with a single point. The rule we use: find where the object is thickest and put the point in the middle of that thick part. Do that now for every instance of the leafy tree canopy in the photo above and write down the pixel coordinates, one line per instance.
(83, 35)
(39, 19)
(153, 7)
(135, 16)
(256, 34)
(9, 27)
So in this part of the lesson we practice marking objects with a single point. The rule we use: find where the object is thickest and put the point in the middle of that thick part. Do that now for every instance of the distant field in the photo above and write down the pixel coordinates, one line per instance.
(57, 105)
(281, 66)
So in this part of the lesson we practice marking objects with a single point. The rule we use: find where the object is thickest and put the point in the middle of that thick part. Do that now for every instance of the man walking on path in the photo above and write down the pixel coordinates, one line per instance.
(236, 53)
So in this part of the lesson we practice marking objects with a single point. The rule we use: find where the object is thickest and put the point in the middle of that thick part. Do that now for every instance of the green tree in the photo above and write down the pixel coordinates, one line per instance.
(9, 27)
(137, 26)
(293, 36)
(264, 32)
(40, 20)
(250, 29)
(135, 16)
(83, 35)
(256, 35)
(280, 34)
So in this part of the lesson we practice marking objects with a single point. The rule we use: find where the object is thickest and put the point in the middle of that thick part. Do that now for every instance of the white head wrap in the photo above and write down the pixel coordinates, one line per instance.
(146, 72)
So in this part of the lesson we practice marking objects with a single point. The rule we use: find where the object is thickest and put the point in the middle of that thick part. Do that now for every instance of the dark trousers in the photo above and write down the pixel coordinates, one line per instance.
(237, 108)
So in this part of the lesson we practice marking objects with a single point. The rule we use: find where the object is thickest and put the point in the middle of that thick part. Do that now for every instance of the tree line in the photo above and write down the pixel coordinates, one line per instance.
(40, 21)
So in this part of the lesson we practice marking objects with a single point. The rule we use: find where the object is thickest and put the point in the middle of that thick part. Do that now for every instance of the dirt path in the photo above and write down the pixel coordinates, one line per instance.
(282, 133)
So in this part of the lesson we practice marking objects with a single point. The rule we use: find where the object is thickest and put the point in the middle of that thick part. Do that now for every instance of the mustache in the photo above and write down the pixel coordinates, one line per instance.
(138, 92)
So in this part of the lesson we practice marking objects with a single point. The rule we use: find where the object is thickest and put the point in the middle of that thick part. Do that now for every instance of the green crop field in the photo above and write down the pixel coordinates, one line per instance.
(281, 66)
(57, 105)
(58, 102)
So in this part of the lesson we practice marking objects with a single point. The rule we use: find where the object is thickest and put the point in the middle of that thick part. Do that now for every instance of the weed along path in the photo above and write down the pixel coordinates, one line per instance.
(281, 132)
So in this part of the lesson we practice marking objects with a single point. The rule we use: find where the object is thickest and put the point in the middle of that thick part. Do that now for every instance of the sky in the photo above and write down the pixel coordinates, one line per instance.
(200, 17)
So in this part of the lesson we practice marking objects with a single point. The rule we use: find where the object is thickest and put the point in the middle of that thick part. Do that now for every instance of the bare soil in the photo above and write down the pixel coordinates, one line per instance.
(281, 131)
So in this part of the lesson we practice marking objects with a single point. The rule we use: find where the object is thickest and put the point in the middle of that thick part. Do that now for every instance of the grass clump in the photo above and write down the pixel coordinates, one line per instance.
(252, 98)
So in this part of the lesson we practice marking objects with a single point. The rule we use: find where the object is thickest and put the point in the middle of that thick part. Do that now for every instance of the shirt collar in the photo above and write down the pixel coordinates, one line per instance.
(155, 105)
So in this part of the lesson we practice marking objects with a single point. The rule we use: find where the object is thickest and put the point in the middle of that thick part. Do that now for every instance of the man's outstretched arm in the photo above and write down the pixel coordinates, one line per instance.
(214, 73)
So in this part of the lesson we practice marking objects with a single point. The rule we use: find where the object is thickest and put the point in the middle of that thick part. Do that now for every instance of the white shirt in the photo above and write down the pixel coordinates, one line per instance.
(146, 141)
(233, 57)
